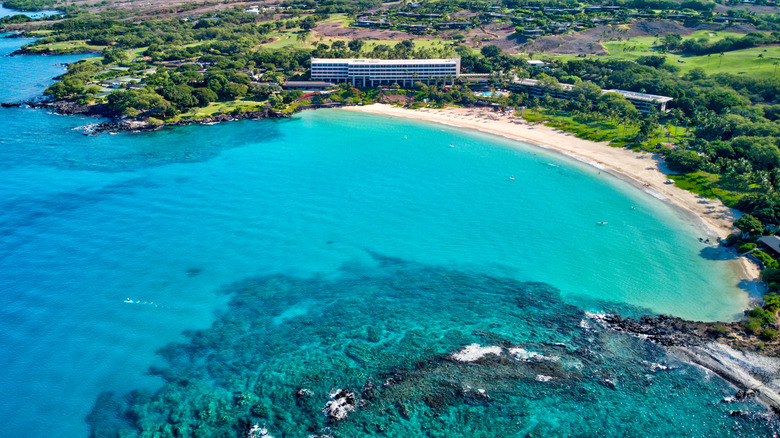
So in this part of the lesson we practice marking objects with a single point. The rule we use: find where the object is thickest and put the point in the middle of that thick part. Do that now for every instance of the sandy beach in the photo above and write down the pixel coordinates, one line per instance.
(643, 170)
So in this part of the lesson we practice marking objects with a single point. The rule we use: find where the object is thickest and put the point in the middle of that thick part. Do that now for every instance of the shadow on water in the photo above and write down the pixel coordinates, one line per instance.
(754, 287)
(19, 214)
(403, 349)
(717, 253)
(34, 137)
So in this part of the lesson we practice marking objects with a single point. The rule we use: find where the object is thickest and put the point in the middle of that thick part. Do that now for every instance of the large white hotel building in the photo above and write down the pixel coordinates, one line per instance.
(370, 72)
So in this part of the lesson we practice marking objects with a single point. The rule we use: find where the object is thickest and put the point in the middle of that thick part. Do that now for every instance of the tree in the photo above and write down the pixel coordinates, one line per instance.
(65, 88)
(338, 45)
(355, 45)
(671, 41)
(764, 156)
(749, 224)
(618, 104)
(490, 51)
(112, 55)
(654, 61)
(587, 89)
(721, 99)
(275, 100)
(682, 161)
(204, 96)
(231, 90)
(308, 22)
(180, 95)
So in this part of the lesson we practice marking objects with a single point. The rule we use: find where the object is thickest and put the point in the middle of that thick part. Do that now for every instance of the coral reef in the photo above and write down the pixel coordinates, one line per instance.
(397, 348)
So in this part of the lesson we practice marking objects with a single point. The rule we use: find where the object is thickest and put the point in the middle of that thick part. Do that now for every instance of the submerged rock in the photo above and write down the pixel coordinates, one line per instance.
(609, 383)
(304, 393)
(742, 394)
(341, 403)
(475, 352)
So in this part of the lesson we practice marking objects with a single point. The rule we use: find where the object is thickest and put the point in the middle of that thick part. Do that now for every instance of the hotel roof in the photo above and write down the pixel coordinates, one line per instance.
(359, 61)
(641, 96)
(772, 242)
(644, 97)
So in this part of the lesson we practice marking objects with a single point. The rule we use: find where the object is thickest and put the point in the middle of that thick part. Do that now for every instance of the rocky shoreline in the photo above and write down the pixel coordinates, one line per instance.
(134, 125)
(48, 52)
(725, 349)
(115, 125)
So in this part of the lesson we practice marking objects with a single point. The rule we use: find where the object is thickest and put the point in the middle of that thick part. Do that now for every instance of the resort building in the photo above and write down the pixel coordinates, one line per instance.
(370, 72)
(307, 85)
(773, 242)
(645, 103)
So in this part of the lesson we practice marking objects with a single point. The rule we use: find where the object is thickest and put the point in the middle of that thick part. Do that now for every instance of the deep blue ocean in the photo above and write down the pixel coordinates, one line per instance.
(203, 279)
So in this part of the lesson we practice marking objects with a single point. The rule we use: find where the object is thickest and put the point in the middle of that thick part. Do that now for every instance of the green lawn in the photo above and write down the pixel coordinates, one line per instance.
(618, 134)
(707, 185)
(746, 61)
(67, 46)
(223, 107)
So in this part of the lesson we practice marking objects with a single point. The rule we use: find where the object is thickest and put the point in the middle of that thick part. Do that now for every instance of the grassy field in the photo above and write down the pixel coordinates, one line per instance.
(67, 46)
(707, 185)
(746, 61)
(223, 107)
(618, 134)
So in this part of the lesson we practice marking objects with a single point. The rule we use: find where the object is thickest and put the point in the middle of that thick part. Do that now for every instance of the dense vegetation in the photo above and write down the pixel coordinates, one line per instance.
(30, 5)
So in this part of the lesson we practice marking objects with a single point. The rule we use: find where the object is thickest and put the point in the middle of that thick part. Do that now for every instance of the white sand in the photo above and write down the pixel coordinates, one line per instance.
(640, 169)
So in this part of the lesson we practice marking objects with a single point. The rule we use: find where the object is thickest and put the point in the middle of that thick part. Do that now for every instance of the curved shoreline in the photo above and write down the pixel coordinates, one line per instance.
(642, 170)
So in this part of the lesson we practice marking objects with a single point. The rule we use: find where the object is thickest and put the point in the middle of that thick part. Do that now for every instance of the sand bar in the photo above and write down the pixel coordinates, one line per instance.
(643, 170)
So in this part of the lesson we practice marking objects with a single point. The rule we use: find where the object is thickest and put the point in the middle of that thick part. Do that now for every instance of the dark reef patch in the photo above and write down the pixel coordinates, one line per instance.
(403, 349)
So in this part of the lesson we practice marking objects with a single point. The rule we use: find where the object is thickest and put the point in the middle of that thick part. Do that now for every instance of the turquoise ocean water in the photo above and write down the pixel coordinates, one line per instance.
(240, 273)
(5, 12)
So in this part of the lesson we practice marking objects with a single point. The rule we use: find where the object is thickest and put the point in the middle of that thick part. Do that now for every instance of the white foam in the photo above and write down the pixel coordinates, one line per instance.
(258, 432)
(338, 408)
(474, 352)
(543, 378)
(525, 355)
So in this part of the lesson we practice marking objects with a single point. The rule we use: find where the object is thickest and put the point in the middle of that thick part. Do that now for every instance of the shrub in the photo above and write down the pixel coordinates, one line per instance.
(761, 315)
(753, 326)
(765, 258)
(720, 330)
(772, 302)
(771, 275)
(745, 247)
(731, 239)
(683, 161)
(768, 334)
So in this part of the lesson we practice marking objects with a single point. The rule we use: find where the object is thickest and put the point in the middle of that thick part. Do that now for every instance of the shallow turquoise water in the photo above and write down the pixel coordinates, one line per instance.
(5, 12)
(337, 249)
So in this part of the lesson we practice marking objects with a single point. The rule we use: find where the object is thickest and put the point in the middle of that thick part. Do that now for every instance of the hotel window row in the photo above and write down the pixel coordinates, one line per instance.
(370, 72)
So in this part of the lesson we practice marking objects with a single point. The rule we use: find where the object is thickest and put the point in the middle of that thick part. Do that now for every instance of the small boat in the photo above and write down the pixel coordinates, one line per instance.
(601, 223)
(128, 300)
